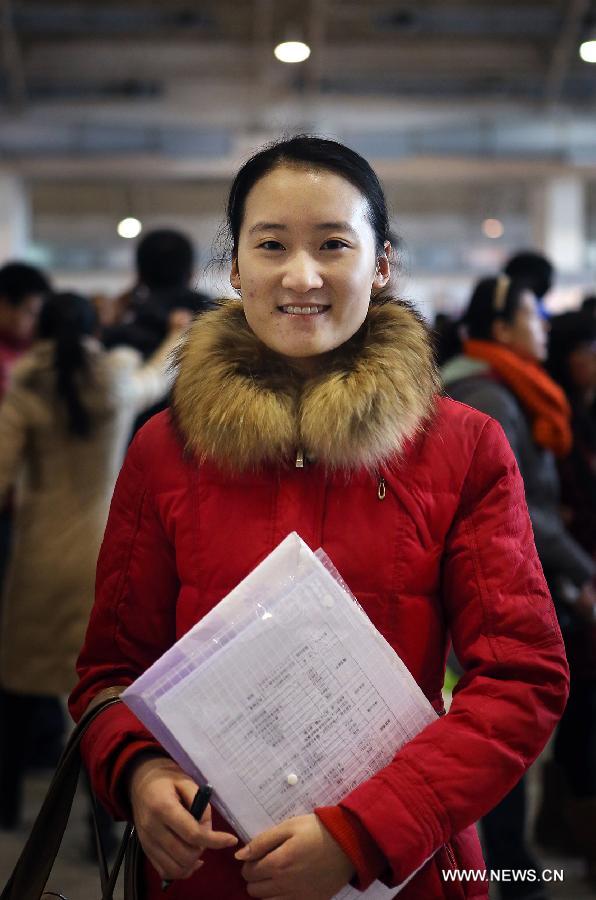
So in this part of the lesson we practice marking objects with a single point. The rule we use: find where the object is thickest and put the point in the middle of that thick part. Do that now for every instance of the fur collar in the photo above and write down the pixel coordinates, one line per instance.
(236, 402)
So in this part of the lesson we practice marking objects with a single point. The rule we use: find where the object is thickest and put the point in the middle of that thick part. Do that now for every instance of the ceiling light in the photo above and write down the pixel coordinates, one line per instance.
(129, 228)
(587, 51)
(292, 51)
(493, 228)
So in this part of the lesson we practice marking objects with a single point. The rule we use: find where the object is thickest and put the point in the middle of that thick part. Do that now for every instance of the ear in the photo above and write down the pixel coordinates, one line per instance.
(501, 331)
(383, 268)
(235, 274)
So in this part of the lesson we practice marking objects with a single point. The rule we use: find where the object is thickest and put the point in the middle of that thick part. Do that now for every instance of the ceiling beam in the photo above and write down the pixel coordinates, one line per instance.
(81, 59)
(565, 48)
(12, 59)
(315, 37)
(262, 42)
(429, 169)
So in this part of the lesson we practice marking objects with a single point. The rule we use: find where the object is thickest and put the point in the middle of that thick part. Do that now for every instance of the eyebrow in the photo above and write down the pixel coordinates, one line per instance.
(322, 226)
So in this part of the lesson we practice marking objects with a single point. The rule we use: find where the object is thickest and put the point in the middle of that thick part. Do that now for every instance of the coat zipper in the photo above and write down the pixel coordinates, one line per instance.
(381, 486)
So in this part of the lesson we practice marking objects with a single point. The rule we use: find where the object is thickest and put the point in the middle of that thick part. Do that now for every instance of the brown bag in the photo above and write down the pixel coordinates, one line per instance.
(33, 868)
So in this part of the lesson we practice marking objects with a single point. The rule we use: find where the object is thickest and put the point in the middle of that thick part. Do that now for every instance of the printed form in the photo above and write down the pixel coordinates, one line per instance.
(291, 703)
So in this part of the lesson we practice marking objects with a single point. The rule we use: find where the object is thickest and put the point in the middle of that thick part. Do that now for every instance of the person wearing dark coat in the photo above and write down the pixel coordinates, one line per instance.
(500, 372)
(164, 262)
(572, 363)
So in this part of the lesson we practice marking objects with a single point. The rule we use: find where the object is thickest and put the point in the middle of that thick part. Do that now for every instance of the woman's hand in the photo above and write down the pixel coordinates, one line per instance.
(296, 860)
(178, 321)
(161, 795)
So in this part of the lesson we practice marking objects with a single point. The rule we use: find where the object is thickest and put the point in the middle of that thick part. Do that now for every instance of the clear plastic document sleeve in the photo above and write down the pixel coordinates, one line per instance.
(284, 696)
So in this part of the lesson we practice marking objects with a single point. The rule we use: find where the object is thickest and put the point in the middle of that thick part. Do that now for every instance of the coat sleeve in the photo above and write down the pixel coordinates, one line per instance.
(14, 420)
(515, 680)
(132, 623)
(141, 384)
(559, 551)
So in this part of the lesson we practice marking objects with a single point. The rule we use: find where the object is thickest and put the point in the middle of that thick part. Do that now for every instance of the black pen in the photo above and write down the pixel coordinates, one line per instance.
(197, 808)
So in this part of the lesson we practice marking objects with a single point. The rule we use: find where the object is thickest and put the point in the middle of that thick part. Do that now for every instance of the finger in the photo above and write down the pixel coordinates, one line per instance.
(197, 834)
(264, 843)
(168, 867)
(161, 839)
(267, 890)
(257, 871)
(186, 789)
(184, 854)
(178, 873)
(216, 840)
(172, 813)
(268, 867)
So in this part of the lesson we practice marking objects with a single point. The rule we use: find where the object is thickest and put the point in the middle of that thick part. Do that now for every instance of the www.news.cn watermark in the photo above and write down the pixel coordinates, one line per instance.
(503, 875)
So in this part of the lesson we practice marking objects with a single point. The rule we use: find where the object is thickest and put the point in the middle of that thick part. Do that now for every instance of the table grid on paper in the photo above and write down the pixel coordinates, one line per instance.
(309, 690)
(313, 712)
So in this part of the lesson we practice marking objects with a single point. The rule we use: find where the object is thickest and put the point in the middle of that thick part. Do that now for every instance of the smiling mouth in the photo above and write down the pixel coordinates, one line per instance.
(312, 310)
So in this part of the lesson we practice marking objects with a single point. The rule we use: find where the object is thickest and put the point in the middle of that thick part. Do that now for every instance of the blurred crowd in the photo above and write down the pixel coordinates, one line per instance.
(536, 375)
(77, 378)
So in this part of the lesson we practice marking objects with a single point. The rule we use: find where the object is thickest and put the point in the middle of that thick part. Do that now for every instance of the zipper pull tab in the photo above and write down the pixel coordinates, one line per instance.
(300, 459)
(381, 490)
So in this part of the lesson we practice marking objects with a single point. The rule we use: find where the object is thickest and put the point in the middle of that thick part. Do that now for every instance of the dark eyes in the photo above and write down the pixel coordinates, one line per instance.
(332, 244)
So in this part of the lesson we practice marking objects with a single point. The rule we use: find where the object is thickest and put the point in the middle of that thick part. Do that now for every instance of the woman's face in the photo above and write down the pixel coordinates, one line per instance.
(306, 263)
(527, 333)
(581, 363)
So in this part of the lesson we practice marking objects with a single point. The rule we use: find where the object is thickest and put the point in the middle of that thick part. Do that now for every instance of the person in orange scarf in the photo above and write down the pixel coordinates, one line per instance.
(500, 372)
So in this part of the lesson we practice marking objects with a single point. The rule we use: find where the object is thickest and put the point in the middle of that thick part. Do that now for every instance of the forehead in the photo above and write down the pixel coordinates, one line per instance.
(528, 302)
(31, 302)
(297, 194)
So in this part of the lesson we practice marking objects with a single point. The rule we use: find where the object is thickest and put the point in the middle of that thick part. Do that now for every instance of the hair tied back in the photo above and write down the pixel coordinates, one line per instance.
(500, 296)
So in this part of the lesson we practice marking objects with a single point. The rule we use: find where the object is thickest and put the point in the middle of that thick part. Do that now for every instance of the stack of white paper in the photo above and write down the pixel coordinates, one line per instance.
(284, 697)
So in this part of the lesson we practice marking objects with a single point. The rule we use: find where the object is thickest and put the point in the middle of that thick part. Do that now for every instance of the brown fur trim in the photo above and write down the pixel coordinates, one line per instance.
(236, 402)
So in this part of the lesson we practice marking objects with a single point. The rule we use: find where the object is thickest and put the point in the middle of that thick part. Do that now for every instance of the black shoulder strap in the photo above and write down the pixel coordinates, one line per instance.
(33, 868)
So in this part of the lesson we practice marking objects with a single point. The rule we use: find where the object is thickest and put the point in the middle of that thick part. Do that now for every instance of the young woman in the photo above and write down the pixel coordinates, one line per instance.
(312, 405)
(64, 425)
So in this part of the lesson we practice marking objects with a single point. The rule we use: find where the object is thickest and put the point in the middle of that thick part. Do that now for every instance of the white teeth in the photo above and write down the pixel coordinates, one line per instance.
(303, 310)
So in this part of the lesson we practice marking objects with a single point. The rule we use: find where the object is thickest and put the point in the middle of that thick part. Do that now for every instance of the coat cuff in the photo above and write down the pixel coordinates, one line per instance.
(109, 746)
(356, 842)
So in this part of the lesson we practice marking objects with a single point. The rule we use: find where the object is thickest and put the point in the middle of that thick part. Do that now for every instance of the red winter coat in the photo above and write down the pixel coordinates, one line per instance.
(428, 527)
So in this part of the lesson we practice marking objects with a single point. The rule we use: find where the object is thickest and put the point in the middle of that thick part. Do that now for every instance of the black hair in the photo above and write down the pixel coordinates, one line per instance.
(66, 319)
(316, 153)
(20, 280)
(446, 339)
(568, 332)
(492, 299)
(165, 259)
(533, 269)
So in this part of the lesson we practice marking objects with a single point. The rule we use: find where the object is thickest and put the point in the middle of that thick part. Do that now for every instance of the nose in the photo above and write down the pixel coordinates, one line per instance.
(301, 274)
